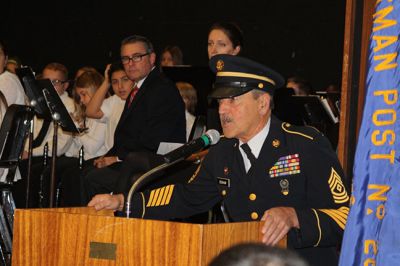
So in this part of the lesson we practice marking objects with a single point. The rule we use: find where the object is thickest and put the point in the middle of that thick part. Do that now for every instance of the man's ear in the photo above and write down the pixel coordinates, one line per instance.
(65, 85)
(5, 62)
(264, 103)
(153, 58)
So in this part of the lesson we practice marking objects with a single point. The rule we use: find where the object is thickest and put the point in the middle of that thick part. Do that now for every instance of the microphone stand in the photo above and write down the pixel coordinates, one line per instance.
(211, 137)
(140, 180)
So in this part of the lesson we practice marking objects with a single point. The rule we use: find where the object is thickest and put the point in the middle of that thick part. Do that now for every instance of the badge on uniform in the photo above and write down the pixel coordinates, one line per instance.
(224, 181)
(284, 183)
(286, 165)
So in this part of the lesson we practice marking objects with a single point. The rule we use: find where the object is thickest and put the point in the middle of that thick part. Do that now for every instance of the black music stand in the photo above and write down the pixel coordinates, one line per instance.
(48, 105)
(314, 109)
(317, 112)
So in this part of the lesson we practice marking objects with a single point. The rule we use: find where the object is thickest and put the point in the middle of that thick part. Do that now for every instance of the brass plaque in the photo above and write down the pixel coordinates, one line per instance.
(107, 251)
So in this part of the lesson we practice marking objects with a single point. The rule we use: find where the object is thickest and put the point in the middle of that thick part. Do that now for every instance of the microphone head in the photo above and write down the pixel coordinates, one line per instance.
(213, 135)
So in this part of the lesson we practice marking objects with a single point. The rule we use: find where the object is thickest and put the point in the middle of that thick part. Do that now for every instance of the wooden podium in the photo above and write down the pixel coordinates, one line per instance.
(82, 236)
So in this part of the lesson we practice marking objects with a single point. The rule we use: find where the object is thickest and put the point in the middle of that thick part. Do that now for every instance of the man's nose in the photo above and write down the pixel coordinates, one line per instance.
(222, 106)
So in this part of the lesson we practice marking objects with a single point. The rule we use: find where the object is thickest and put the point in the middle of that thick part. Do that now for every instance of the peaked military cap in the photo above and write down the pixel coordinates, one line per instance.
(237, 75)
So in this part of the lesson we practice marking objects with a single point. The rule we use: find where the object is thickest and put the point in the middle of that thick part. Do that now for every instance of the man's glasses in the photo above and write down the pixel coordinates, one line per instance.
(135, 58)
(57, 82)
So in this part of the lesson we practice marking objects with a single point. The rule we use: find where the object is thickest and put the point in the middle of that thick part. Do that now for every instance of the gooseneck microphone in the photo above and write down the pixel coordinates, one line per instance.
(211, 137)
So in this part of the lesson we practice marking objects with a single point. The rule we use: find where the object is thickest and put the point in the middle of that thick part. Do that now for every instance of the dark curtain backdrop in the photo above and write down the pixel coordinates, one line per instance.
(303, 37)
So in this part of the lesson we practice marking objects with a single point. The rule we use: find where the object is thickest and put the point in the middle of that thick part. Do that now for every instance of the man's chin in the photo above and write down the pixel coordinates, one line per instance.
(228, 133)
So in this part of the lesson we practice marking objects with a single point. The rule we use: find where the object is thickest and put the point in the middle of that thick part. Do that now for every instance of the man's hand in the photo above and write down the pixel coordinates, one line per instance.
(108, 202)
(105, 161)
(278, 222)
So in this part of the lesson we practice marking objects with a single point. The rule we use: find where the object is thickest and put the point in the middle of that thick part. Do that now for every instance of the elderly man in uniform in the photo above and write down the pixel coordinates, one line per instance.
(287, 176)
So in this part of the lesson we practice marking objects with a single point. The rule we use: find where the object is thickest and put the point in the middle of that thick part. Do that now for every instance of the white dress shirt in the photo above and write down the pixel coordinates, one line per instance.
(255, 144)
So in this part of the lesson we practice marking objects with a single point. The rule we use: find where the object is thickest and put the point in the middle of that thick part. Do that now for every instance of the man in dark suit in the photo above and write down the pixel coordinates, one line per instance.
(288, 176)
(153, 113)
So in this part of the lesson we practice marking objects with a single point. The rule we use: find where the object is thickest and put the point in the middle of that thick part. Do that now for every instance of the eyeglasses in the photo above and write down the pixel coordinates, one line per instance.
(135, 58)
(57, 82)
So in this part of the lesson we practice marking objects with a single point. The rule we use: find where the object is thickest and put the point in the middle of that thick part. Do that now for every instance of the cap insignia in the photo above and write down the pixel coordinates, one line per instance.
(220, 65)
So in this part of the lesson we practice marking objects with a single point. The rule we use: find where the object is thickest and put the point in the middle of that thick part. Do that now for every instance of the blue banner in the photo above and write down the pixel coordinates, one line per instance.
(372, 233)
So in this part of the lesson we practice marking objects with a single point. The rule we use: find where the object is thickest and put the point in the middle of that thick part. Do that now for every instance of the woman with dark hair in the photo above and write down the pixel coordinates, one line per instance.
(171, 56)
(224, 38)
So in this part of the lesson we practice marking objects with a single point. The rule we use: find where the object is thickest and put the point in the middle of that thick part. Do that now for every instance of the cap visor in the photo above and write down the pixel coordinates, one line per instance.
(227, 92)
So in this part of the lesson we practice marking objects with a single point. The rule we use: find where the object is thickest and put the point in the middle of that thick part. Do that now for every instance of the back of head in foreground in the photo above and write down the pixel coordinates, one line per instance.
(256, 254)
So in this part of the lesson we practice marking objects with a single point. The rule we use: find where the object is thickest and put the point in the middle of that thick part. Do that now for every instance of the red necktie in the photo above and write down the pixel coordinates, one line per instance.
(132, 96)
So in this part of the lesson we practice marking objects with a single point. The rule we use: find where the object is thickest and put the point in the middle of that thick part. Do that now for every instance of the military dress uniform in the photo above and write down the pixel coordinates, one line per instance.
(296, 167)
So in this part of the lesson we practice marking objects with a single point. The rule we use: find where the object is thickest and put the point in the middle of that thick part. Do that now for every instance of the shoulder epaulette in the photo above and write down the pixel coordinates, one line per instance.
(304, 131)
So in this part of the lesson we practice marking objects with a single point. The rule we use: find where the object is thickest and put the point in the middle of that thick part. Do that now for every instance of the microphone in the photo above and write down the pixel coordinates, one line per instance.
(211, 137)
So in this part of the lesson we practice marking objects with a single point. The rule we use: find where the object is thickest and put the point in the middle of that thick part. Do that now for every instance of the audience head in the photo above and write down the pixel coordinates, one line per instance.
(13, 63)
(256, 254)
(85, 87)
(300, 85)
(3, 57)
(244, 89)
(189, 96)
(171, 56)
(83, 69)
(120, 82)
(58, 75)
(137, 56)
(224, 38)
(333, 88)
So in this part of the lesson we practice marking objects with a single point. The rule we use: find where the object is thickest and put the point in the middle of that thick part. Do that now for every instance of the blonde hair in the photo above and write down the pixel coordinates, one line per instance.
(188, 93)
(58, 67)
(88, 80)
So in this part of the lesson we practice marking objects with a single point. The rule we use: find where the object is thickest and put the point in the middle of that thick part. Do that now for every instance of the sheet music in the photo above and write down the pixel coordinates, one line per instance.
(328, 109)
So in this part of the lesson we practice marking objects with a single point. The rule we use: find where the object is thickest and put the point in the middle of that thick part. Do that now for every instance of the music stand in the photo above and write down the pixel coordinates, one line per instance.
(314, 110)
(47, 103)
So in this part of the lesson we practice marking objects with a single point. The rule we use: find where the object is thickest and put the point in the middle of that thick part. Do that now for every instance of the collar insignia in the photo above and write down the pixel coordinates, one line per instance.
(276, 143)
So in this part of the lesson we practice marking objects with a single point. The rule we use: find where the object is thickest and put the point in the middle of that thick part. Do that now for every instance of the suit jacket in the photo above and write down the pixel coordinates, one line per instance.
(296, 167)
(156, 114)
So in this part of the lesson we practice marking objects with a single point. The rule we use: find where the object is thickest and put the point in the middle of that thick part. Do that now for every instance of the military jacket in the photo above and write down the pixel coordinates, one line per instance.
(296, 168)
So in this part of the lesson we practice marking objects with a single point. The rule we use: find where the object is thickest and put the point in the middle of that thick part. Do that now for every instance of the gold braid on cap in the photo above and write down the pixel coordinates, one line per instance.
(245, 75)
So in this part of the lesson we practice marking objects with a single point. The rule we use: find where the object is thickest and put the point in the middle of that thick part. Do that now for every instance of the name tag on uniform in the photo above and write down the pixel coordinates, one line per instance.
(224, 181)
